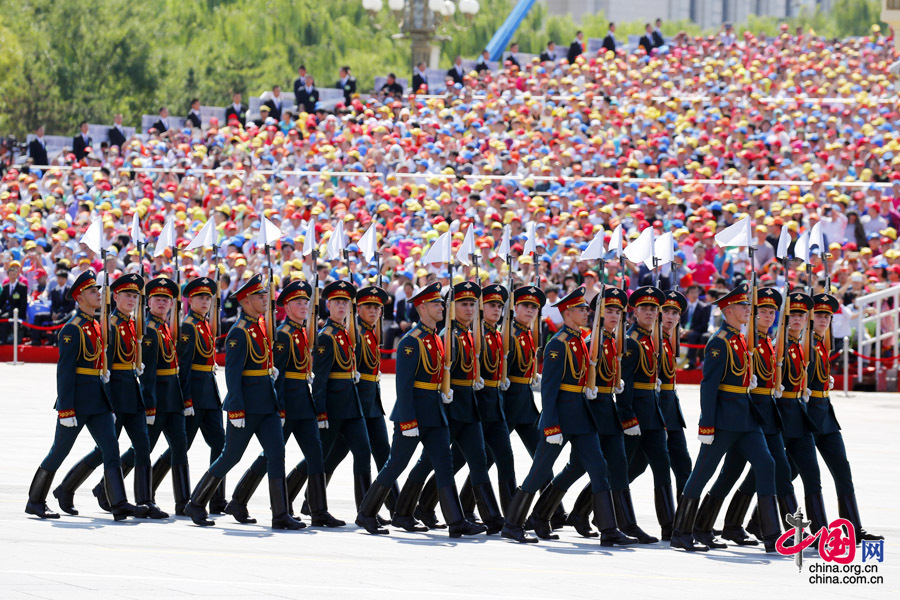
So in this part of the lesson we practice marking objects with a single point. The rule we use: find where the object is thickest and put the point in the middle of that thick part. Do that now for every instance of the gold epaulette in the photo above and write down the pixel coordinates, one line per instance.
(76, 320)
(563, 336)
(328, 330)
(151, 324)
(415, 333)
(635, 335)
(241, 324)
(722, 335)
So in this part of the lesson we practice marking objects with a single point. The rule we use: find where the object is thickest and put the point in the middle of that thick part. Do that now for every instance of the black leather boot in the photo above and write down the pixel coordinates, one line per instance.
(580, 515)
(769, 523)
(361, 485)
(217, 503)
(626, 518)
(118, 500)
(514, 528)
(733, 529)
(787, 505)
(665, 510)
(405, 507)
(559, 518)
(367, 518)
(281, 518)
(243, 491)
(457, 523)
(684, 524)
(488, 507)
(160, 469)
(65, 491)
(196, 507)
(815, 510)
(848, 509)
(296, 479)
(544, 508)
(181, 487)
(428, 501)
(318, 503)
(143, 494)
(706, 518)
(99, 493)
(605, 520)
(37, 495)
(467, 499)
(507, 489)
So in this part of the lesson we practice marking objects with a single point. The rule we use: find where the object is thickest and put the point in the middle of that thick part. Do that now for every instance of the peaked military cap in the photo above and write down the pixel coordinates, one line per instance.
(131, 282)
(372, 295)
(85, 281)
(294, 290)
(647, 294)
(199, 287)
(768, 297)
(339, 290)
(494, 293)
(530, 294)
(825, 303)
(573, 300)
(161, 286)
(674, 299)
(254, 285)
(430, 293)
(799, 303)
(739, 295)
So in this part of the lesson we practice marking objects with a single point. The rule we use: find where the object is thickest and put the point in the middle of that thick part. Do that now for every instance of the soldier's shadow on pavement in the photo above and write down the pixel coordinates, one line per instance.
(86, 522)
(743, 558)
(426, 538)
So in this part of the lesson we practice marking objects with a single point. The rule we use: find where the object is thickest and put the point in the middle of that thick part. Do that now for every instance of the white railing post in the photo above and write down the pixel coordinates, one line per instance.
(846, 365)
(15, 328)
(860, 331)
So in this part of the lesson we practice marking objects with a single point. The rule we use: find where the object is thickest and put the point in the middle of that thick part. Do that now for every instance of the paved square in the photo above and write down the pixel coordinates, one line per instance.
(90, 556)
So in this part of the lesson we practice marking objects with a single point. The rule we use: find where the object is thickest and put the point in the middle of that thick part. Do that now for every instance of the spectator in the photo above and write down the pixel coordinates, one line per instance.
(82, 142)
(702, 270)
(193, 117)
(695, 325)
(658, 40)
(308, 96)
(347, 83)
(13, 295)
(420, 79)
(457, 72)
(609, 40)
(510, 57)
(237, 111)
(391, 87)
(299, 84)
(116, 133)
(481, 65)
(275, 103)
(162, 124)
(646, 41)
(576, 48)
(549, 55)
(37, 148)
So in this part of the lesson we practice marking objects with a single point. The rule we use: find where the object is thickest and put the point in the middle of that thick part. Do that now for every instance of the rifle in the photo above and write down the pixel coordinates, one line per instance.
(270, 309)
(538, 355)
(751, 337)
(448, 332)
(477, 331)
(807, 337)
(104, 317)
(351, 326)
(176, 309)
(139, 317)
(657, 334)
(507, 325)
(313, 305)
(621, 340)
(828, 339)
(597, 331)
(782, 334)
(214, 321)
(380, 325)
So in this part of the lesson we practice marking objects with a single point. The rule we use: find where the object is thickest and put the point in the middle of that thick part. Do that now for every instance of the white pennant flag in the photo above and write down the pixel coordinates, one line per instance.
(736, 234)
(817, 240)
(309, 240)
(368, 244)
(439, 252)
(207, 237)
(137, 236)
(616, 241)
(594, 251)
(641, 249)
(784, 240)
(269, 233)
(664, 248)
(801, 248)
(530, 238)
(93, 238)
(503, 249)
(335, 248)
(166, 238)
(467, 248)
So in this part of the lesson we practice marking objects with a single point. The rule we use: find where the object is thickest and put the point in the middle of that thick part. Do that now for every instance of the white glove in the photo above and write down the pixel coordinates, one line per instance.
(636, 430)
(753, 382)
(658, 384)
(806, 394)
(104, 377)
(414, 432)
(779, 391)
(355, 376)
(556, 438)
(590, 393)
(283, 421)
(140, 370)
(621, 387)
(68, 422)
(447, 398)
(323, 424)
(274, 373)
(478, 384)
(310, 377)
(239, 423)
(189, 411)
(536, 385)
(151, 419)
(706, 439)
(831, 383)
(504, 385)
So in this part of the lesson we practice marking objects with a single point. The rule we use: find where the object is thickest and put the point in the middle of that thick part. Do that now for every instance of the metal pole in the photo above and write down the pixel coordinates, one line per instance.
(859, 341)
(846, 365)
(15, 360)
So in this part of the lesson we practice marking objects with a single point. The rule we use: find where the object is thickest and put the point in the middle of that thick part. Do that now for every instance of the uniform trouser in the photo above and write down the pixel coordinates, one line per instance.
(613, 447)
(652, 444)
(831, 447)
(436, 444)
(801, 453)
(100, 427)
(209, 422)
(734, 466)
(749, 444)
(267, 429)
(499, 449)
(529, 434)
(306, 432)
(135, 425)
(353, 433)
(585, 445)
(679, 459)
(172, 425)
(378, 440)
(469, 439)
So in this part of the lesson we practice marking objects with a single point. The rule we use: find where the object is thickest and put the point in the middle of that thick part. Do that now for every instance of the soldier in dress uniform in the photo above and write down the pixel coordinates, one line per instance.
(464, 420)
(728, 421)
(612, 442)
(566, 417)
(253, 408)
(419, 415)
(82, 400)
(763, 397)
(673, 306)
(638, 404)
(829, 440)
(300, 414)
(127, 401)
(197, 360)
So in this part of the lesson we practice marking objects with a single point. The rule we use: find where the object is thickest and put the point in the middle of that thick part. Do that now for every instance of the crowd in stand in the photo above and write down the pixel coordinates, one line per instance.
(687, 138)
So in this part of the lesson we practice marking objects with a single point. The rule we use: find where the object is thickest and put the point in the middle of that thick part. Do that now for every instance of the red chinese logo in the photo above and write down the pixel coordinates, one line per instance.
(834, 545)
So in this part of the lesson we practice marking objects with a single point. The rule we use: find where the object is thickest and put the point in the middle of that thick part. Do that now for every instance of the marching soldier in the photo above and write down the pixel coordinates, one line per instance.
(197, 360)
(420, 415)
(566, 417)
(127, 401)
(82, 400)
(728, 421)
(638, 404)
(253, 408)
(672, 308)
(763, 397)
(829, 440)
(612, 442)
(464, 421)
